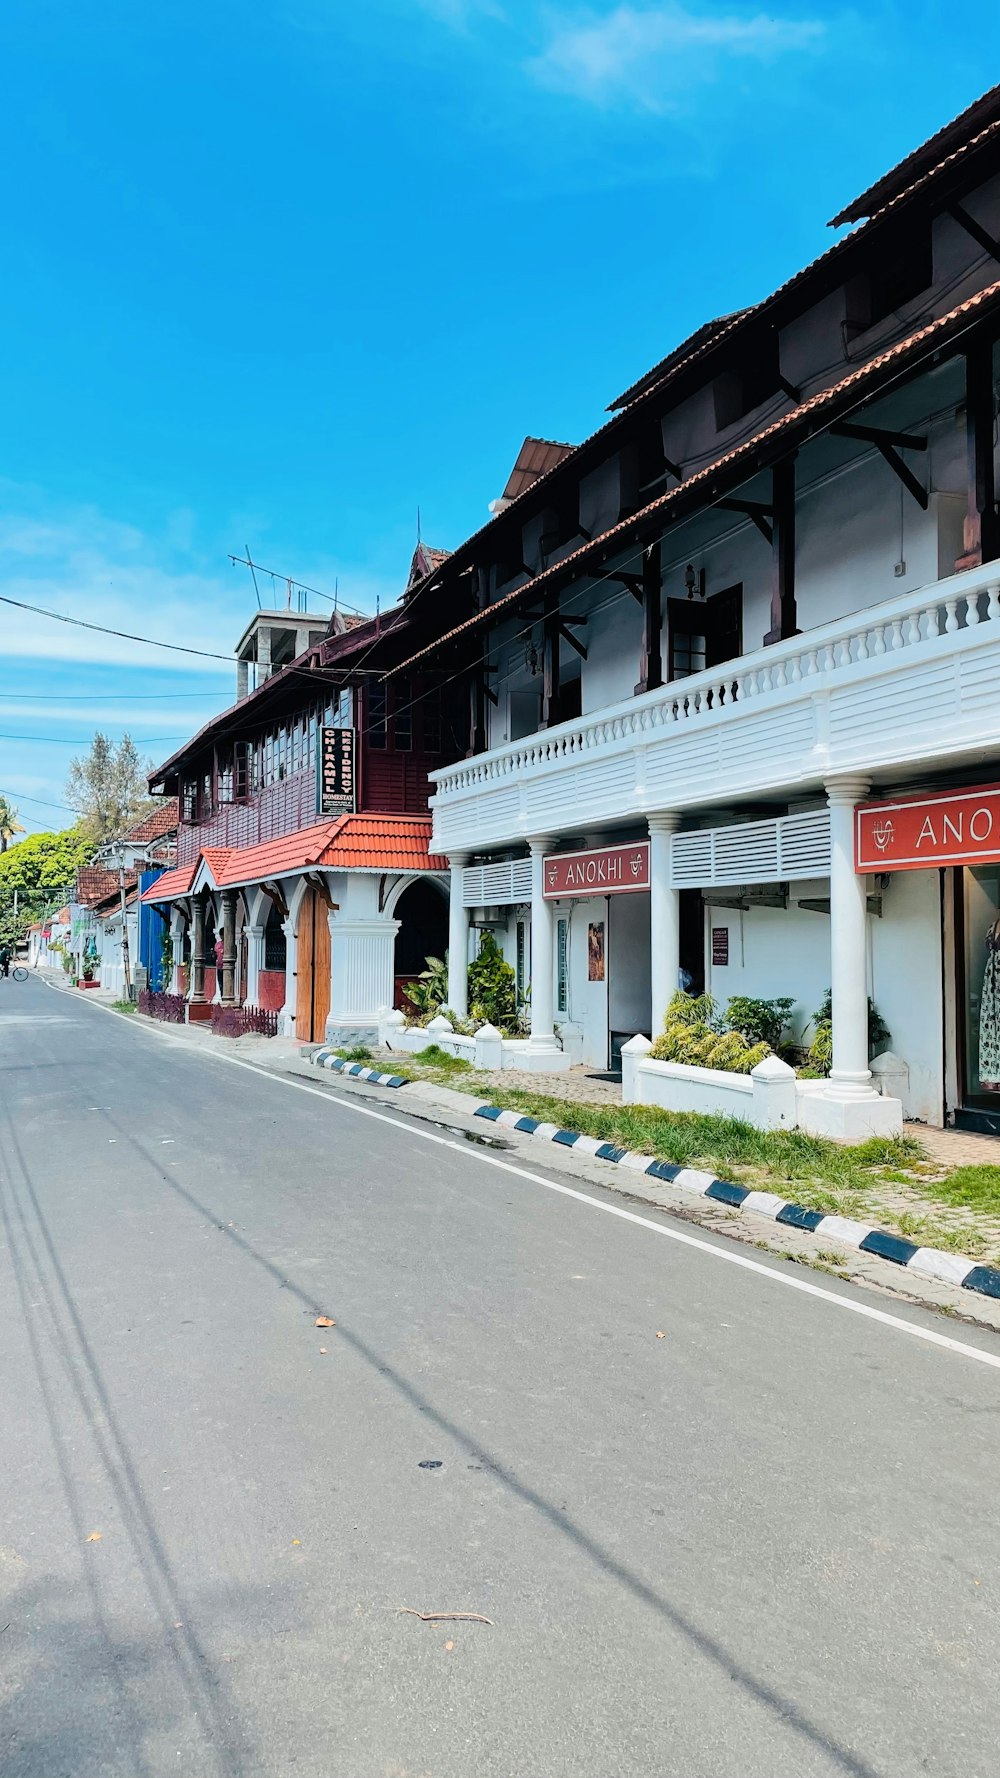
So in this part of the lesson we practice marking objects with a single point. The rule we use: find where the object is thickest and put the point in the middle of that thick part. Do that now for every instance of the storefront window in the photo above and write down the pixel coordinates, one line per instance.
(982, 982)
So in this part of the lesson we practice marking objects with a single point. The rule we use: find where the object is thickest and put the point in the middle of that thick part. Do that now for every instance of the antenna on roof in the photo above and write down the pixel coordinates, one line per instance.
(418, 524)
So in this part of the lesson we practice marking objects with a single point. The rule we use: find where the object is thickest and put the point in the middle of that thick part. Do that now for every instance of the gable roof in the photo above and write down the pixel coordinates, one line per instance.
(535, 458)
(347, 842)
(94, 884)
(741, 461)
(930, 154)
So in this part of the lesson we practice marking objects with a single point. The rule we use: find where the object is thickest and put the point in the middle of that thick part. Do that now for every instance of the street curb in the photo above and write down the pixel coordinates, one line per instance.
(926, 1262)
(324, 1058)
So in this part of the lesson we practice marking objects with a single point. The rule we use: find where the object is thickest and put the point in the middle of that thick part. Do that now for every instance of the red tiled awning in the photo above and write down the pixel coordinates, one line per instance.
(348, 842)
(172, 884)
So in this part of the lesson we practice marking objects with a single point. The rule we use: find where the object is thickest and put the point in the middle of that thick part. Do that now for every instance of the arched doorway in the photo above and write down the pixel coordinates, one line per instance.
(312, 968)
(422, 911)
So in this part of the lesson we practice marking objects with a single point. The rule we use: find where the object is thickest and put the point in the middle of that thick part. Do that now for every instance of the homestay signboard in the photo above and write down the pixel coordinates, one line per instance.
(335, 772)
(924, 832)
(607, 870)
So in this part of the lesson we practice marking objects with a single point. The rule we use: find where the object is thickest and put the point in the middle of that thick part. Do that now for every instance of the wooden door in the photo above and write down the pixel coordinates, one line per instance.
(312, 969)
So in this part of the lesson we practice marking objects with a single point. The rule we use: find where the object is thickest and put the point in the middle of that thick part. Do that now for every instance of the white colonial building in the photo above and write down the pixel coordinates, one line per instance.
(764, 595)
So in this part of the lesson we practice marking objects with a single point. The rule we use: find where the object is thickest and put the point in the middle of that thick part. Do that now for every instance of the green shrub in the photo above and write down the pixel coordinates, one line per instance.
(493, 987)
(759, 1021)
(820, 1055)
(694, 1034)
(359, 1053)
(427, 994)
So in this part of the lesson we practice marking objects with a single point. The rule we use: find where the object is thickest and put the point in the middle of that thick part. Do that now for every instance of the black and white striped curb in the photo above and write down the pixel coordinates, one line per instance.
(927, 1262)
(327, 1059)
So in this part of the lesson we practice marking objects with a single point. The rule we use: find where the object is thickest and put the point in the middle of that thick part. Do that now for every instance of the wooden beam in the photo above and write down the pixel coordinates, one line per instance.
(651, 659)
(755, 510)
(879, 435)
(273, 893)
(903, 471)
(980, 235)
(551, 634)
(573, 641)
(789, 388)
(784, 614)
(981, 538)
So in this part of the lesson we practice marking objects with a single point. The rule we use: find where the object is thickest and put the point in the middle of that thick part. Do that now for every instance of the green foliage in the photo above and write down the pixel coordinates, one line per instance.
(43, 865)
(123, 1006)
(359, 1053)
(821, 1049)
(493, 987)
(167, 957)
(9, 823)
(426, 995)
(693, 1033)
(108, 787)
(435, 1057)
(759, 1021)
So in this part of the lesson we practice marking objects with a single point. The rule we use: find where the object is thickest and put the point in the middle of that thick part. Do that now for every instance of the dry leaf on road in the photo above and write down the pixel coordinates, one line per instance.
(95, 1537)
(661, 1336)
(324, 1321)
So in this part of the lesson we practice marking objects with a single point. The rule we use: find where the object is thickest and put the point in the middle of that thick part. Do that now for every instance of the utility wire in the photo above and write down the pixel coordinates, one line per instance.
(76, 741)
(17, 796)
(98, 697)
(81, 623)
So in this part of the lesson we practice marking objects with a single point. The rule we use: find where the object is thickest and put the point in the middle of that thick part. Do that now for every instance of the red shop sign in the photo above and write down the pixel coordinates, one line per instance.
(922, 832)
(607, 870)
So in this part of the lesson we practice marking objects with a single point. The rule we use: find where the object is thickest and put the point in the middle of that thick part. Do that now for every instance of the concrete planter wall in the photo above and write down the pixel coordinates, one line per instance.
(487, 1049)
(770, 1098)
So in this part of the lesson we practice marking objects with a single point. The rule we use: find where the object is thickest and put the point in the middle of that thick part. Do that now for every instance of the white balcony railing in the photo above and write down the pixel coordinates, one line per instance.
(913, 681)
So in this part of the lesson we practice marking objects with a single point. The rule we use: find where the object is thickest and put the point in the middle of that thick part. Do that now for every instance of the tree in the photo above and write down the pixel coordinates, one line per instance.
(107, 787)
(9, 823)
(39, 869)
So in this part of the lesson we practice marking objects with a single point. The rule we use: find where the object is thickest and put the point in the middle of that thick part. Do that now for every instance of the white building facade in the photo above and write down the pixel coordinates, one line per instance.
(765, 595)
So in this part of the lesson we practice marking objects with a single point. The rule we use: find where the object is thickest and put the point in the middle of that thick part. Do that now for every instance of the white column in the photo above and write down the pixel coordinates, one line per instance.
(848, 942)
(664, 920)
(458, 940)
(255, 962)
(177, 929)
(287, 1024)
(362, 953)
(542, 951)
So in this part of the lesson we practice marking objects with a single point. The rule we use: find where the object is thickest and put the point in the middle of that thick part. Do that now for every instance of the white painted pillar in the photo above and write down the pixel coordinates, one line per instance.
(848, 942)
(458, 940)
(291, 979)
(542, 951)
(177, 929)
(664, 919)
(362, 955)
(255, 962)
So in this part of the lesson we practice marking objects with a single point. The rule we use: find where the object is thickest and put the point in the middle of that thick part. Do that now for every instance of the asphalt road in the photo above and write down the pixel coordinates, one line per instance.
(766, 1543)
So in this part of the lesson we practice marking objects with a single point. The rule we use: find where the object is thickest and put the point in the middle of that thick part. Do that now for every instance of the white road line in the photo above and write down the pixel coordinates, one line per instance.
(568, 1191)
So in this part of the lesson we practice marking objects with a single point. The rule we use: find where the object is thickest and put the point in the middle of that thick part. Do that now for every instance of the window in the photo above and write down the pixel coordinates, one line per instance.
(521, 960)
(377, 715)
(225, 781)
(189, 801)
(898, 279)
(403, 707)
(205, 801)
(571, 699)
(704, 633)
(739, 391)
(241, 776)
(562, 965)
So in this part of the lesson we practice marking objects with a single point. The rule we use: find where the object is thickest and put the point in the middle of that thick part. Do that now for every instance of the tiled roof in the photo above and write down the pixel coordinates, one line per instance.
(93, 884)
(62, 918)
(535, 458)
(154, 825)
(840, 397)
(930, 154)
(702, 336)
(172, 884)
(348, 842)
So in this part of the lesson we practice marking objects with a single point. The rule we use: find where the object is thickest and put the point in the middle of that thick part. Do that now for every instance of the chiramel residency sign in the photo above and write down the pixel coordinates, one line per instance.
(924, 832)
(607, 870)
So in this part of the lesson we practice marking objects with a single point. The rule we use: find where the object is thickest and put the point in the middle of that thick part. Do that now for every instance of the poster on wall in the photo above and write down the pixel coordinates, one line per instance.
(335, 772)
(720, 945)
(595, 951)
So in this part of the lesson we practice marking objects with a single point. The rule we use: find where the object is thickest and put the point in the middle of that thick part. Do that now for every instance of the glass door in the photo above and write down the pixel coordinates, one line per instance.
(981, 996)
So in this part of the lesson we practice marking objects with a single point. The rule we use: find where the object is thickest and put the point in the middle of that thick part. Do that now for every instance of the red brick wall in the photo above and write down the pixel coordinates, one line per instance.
(271, 989)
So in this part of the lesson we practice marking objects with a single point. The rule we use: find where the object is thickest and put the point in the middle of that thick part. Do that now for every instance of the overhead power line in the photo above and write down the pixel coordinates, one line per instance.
(101, 697)
(80, 623)
(18, 796)
(85, 740)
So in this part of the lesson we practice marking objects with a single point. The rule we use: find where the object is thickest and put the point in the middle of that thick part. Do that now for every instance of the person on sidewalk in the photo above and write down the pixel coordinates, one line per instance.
(4, 959)
(218, 964)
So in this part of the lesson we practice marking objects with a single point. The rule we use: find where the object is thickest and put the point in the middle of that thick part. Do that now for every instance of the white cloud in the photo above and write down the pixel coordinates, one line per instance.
(652, 56)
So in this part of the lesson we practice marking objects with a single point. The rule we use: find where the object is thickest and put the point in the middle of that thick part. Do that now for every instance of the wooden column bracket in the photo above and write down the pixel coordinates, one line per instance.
(979, 234)
(651, 658)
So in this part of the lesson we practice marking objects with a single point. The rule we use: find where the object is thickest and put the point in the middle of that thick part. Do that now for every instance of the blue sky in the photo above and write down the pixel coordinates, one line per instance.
(278, 274)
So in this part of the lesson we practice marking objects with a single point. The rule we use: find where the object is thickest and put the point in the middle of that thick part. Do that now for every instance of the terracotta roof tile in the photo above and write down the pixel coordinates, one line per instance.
(740, 457)
(154, 825)
(951, 138)
(347, 842)
(171, 884)
(94, 884)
